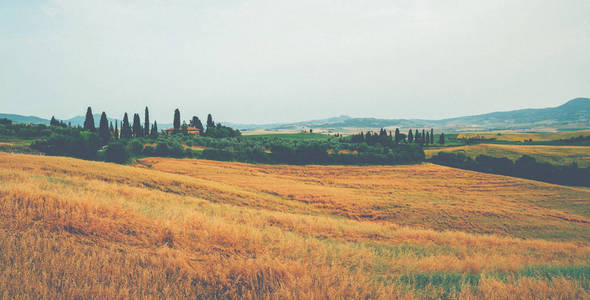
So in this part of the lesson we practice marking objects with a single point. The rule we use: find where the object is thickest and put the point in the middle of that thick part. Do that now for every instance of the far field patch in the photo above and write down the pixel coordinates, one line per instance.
(556, 155)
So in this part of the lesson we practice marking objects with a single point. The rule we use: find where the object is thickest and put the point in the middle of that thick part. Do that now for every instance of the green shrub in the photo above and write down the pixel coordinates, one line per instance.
(136, 147)
(117, 153)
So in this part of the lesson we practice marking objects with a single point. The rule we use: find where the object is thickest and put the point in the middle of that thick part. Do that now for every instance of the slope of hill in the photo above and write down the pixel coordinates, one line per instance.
(73, 228)
(24, 119)
(573, 115)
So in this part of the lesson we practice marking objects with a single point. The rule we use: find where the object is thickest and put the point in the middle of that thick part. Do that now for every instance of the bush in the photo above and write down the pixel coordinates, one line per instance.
(117, 153)
(215, 154)
(136, 147)
(149, 151)
(77, 144)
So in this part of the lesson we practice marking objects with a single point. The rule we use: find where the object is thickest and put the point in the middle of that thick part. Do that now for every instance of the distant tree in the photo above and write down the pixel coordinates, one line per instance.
(53, 121)
(146, 126)
(125, 128)
(89, 121)
(310, 130)
(154, 133)
(427, 139)
(5, 121)
(103, 130)
(177, 119)
(111, 128)
(431, 136)
(137, 130)
(441, 139)
(210, 122)
(116, 132)
(397, 136)
(410, 136)
(195, 122)
(184, 128)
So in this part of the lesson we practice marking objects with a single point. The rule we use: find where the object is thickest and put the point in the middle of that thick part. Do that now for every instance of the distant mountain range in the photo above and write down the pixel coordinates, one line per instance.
(573, 115)
(75, 121)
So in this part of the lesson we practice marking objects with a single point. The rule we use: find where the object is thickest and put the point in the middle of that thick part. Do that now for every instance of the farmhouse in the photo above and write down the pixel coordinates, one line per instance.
(189, 130)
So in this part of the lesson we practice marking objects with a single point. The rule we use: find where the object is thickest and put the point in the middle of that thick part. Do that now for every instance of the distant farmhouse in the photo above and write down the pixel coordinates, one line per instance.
(189, 130)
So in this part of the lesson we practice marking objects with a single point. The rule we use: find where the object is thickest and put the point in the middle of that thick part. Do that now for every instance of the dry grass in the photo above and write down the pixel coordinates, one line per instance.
(556, 155)
(72, 228)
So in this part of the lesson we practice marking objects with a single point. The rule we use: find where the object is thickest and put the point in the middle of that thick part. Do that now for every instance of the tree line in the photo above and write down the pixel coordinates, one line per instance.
(524, 167)
(117, 140)
(107, 132)
(387, 139)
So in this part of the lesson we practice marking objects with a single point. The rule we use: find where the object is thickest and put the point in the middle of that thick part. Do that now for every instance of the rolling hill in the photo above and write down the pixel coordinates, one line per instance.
(182, 228)
(573, 115)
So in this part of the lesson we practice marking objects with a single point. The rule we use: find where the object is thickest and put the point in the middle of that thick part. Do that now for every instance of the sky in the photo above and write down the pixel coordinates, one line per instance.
(281, 61)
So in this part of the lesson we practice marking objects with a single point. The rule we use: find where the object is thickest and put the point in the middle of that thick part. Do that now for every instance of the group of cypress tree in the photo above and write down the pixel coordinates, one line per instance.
(387, 139)
(55, 122)
(107, 132)
(424, 137)
(194, 122)
(212, 130)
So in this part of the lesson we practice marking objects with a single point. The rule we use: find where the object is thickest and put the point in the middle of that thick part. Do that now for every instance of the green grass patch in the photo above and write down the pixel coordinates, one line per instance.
(453, 282)
(291, 136)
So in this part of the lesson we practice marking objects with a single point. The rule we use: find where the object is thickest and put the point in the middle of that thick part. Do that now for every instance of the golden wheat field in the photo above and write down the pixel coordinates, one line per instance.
(556, 155)
(185, 228)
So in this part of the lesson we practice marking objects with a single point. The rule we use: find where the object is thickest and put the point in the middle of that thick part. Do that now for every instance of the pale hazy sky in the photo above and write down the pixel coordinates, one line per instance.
(276, 61)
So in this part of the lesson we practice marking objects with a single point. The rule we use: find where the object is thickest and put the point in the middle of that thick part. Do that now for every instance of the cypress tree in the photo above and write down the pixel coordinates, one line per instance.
(116, 130)
(137, 131)
(154, 133)
(427, 138)
(441, 139)
(210, 122)
(103, 130)
(410, 136)
(146, 127)
(431, 136)
(53, 121)
(177, 120)
(125, 129)
(196, 122)
(397, 136)
(417, 136)
(89, 121)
